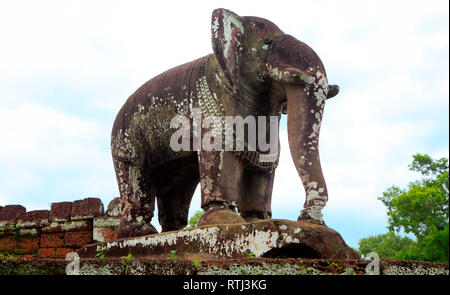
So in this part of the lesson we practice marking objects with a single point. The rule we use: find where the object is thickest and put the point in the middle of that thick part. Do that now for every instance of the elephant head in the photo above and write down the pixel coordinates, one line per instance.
(278, 71)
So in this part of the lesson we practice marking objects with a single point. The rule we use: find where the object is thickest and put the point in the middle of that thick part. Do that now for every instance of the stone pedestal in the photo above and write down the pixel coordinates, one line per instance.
(269, 238)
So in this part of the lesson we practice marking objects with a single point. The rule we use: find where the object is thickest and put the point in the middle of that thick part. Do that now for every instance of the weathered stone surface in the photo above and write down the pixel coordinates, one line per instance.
(410, 267)
(54, 240)
(291, 266)
(36, 218)
(7, 243)
(28, 232)
(114, 208)
(86, 209)
(7, 227)
(62, 252)
(77, 239)
(104, 234)
(9, 216)
(60, 211)
(242, 266)
(35, 215)
(12, 212)
(268, 238)
(76, 225)
(220, 215)
(105, 228)
(28, 244)
(47, 252)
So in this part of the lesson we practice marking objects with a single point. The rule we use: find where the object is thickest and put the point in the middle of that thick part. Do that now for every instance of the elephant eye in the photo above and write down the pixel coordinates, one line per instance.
(268, 42)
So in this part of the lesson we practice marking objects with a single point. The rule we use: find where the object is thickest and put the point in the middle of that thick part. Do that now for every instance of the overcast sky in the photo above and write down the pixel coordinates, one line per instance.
(66, 68)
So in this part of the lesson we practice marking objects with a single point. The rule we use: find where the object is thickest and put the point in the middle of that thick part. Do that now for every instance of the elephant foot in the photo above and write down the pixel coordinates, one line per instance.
(219, 214)
(306, 217)
(253, 219)
(135, 230)
(254, 216)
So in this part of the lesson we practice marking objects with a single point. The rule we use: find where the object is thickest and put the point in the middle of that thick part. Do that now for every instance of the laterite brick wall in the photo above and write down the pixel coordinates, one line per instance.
(53, 233)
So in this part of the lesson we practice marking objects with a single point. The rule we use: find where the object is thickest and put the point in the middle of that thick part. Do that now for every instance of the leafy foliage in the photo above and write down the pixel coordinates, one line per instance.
(196, 263)
(193, 221)
(100, 252)
(173, 255)
(421, 209)
(432, 247)
(126, 265)
(385, 245)
(425, 203)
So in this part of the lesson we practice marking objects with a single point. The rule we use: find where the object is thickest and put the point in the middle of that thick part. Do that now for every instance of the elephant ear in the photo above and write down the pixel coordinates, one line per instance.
(226, 32)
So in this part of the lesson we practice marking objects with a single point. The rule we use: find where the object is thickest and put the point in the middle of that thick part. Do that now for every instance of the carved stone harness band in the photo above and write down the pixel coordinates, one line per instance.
(210, 108)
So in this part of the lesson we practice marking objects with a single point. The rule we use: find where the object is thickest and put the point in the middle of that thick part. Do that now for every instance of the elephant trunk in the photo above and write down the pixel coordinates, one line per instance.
(305, 105)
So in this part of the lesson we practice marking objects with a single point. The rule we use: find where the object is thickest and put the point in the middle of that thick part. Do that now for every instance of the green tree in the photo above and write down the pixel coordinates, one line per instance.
(193, 221)
(432, 247)
(421, 209)
(385, 245)
(424, 204)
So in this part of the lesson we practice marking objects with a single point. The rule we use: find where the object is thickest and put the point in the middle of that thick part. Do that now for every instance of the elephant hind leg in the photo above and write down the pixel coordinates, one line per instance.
(173, 207)
(137, 196)
(256, 195)
(177, 182)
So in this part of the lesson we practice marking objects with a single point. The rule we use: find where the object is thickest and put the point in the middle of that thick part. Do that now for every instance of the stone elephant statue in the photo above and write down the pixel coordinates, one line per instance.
(255, 70)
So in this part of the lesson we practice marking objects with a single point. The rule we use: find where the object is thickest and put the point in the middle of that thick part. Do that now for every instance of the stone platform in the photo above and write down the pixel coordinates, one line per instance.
(273, 238)
(231, 266)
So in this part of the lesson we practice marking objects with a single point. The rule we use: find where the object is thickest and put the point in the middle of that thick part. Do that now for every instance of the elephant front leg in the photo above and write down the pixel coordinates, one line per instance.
(220, 174)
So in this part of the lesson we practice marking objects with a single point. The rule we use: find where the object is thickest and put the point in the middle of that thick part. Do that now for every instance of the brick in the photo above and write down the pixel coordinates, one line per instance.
(87, 209)
(28, 232)
(77, 239)
(62, 252)
(28, 256)
(79, 225)
(35, 215)
(105, 228)
(12, 212)
(47, 253)
(28, 245)
(114, 208)
(8, 243)
(76, 225)
(107, 222)
(104, 235)
(52, 240)
(36, 218)
(53, 227)
(60, 211)
(7, 227)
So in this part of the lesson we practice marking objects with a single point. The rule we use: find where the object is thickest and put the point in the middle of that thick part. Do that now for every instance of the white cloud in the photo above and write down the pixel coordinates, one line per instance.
(39, 144)
(38, 135)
